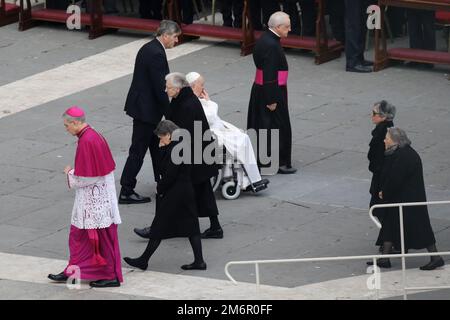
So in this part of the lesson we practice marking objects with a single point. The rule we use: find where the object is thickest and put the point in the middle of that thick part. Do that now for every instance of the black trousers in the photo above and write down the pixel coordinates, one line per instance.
(421, 29)
(150, 9)
(336, 10)
(266, 7)
(143, 139)
(57, 4)
(187, 11)
(309, 14)
(230, 8)
(355, 31)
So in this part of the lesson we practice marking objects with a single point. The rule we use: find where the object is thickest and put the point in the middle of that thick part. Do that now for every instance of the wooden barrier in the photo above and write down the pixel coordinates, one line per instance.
(9, 13)
(99, 24)
(383, 55)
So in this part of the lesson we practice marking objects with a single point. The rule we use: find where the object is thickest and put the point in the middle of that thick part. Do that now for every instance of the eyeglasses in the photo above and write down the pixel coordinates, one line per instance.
(374, 113)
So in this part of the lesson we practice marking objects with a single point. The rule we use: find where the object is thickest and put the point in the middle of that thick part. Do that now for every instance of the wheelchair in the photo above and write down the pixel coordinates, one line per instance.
(232, 177)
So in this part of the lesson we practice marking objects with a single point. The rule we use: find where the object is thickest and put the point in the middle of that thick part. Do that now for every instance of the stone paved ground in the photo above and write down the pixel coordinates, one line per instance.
(320, 211)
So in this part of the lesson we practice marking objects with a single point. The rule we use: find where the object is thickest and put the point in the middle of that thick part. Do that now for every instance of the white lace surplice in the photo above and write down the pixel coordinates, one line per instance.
(95, 204)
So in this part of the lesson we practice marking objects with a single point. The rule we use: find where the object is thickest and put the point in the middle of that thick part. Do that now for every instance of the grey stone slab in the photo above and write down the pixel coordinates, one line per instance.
(14, 236)
(345, 192)
(52, 187)
(17, 290)
(15, 178)
(54, 217)
(14, 206)
(24, 149)
(346, 163)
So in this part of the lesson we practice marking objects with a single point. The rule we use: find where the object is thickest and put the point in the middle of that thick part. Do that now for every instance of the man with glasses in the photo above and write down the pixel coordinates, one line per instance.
(268, 107)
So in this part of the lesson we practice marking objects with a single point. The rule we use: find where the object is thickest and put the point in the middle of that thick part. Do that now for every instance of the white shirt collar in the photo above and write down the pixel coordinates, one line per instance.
(275, 33)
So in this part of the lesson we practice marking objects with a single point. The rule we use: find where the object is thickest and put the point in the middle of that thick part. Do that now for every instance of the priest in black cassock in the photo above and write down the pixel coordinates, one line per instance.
(268, 108)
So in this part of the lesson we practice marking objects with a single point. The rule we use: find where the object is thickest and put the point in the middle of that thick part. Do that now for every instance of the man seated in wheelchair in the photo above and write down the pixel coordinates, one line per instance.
(236, 142)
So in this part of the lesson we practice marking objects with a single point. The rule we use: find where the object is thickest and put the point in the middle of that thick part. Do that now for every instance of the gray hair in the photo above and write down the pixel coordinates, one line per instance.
(81, 119)
(178, 80)
(168, 27)
(399, 136)
(385, 109)
(165, 127)
(277, 19)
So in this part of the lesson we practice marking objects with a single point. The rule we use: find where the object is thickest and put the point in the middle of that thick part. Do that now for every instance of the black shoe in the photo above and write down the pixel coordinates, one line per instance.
(382, 263)
(212, 234)
(258, 186)
(359, 68)
(367, 63)
(61, 277)
(194, 266)
(143, 233)
(433, 264)
(137, 263)
(286, 170)
(105, 283)
(133, 198)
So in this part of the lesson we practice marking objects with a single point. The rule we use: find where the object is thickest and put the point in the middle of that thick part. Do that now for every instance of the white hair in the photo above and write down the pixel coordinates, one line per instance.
(277, 19)
(191, 77)
(177, 79)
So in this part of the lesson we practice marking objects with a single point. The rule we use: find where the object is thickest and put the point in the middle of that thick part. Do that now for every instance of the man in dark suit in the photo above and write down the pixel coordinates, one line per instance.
(266, 7)
(355, 31)
(146, 103)
(150, 9)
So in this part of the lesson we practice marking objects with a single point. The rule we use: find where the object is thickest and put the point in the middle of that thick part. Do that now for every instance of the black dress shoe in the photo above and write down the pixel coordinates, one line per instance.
(137, 263)
(194, 266)
(286, 170)
(382, 263)
(105, 283)
(359, 68)
(133, 198)
(61, 277)
(433, 264)
(143, 233)
(367, 63)
(212, 234)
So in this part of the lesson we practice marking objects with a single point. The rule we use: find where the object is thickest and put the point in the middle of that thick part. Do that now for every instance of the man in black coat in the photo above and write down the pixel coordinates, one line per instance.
(230, 9)
(150, 9)
(146, 103)
(266, 7)
(186, 111)
(355, 31)
(268, 107)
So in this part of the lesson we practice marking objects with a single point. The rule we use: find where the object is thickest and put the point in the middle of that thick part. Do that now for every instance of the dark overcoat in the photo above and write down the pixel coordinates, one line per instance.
(270, 59)
(376, 159)
(402, 181)
(184, 111)
(176, 209)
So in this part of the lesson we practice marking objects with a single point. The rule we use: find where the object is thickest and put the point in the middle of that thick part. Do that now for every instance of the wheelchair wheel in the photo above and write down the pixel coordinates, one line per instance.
(215, 181)
(230, 190)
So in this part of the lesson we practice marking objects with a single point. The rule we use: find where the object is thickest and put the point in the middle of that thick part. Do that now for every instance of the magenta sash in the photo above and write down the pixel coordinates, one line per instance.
(282, 77)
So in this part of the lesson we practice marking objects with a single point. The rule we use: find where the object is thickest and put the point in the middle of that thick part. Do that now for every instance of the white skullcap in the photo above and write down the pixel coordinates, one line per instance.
(191, 77)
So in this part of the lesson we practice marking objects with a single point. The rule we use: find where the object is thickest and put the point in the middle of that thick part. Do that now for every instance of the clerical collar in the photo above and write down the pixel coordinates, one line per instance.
(275, 33)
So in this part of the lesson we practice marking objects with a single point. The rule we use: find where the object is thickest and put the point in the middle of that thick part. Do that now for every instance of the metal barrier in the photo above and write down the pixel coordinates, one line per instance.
(402, 255)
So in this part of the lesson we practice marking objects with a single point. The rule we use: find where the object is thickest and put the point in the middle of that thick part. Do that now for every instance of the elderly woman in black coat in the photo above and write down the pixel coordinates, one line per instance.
(383, 114)
(176, 209)
(402, 181)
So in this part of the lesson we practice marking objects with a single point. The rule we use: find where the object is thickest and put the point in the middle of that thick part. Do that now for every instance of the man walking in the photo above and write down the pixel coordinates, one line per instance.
(146, 103)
